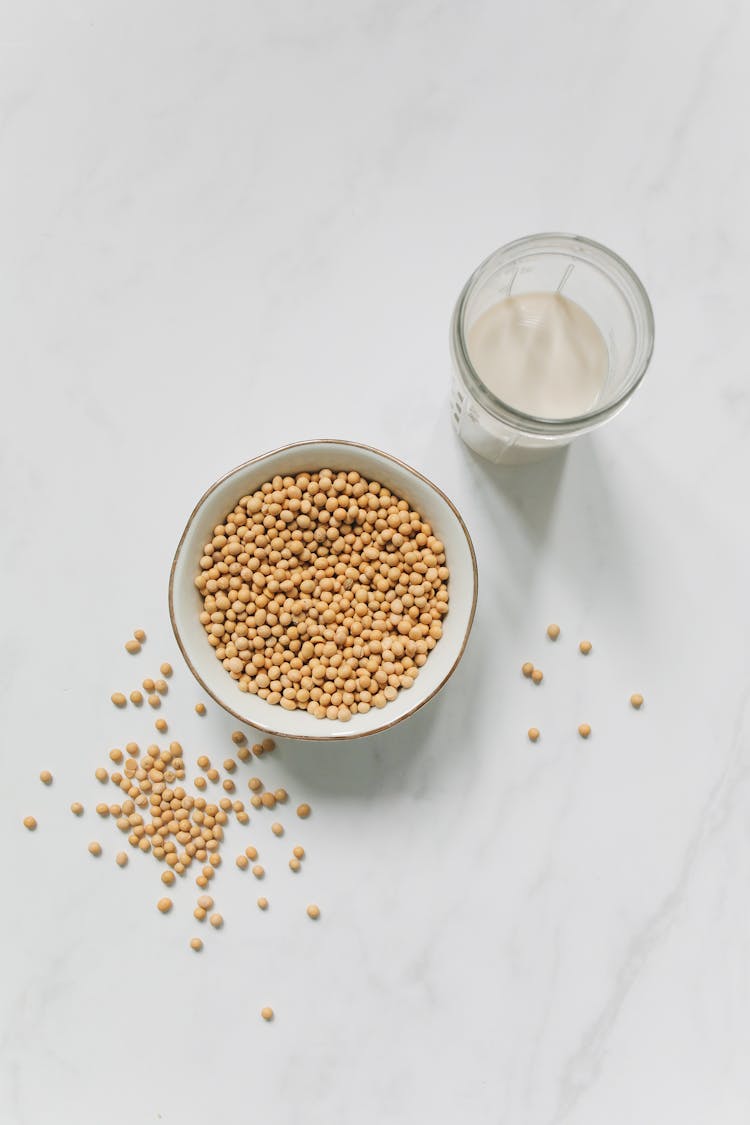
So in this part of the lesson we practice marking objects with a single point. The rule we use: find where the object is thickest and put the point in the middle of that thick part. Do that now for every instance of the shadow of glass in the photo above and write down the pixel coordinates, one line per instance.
(570, 515)
(527, 491)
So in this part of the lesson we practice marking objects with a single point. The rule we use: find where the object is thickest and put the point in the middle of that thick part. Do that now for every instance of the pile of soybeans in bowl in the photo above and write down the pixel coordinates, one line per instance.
(323, 592)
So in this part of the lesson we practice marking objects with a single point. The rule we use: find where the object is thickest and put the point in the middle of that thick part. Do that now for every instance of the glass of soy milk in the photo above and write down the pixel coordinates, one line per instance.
(550, 337)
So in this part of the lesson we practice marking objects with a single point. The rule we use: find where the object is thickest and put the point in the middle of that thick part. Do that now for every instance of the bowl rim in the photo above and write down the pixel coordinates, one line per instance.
(262, 457)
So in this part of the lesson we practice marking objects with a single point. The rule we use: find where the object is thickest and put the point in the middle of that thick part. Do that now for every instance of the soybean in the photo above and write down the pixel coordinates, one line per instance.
(374, 576)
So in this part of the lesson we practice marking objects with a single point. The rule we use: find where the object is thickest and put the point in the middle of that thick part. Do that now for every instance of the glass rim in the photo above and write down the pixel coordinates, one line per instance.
(630, 284)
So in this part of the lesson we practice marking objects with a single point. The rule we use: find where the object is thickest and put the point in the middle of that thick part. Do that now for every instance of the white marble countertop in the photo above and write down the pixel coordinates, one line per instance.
(225, 228)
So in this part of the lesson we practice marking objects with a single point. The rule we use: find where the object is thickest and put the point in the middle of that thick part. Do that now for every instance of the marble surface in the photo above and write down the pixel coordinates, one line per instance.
(227, 227)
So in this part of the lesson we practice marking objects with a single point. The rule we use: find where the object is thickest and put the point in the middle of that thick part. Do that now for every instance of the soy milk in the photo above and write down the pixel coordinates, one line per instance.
(540, 353)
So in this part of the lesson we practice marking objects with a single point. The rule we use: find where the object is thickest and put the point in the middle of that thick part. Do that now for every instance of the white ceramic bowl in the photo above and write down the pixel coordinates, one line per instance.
(185, 602)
